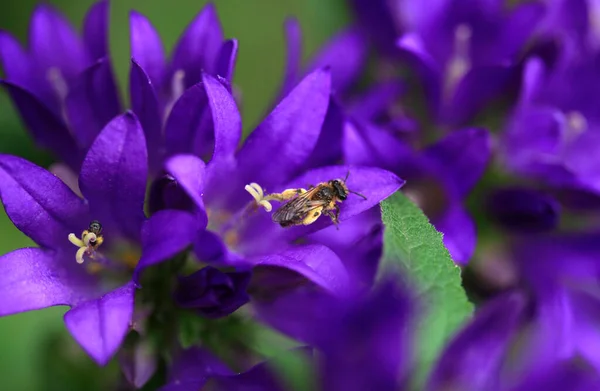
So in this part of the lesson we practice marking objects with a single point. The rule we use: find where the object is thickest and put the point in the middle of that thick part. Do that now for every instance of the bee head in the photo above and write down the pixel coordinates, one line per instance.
(340, 189)
(95, 227)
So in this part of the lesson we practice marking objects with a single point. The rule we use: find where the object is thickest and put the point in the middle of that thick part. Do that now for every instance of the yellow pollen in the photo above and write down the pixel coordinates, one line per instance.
(232, 238)
(85, 246)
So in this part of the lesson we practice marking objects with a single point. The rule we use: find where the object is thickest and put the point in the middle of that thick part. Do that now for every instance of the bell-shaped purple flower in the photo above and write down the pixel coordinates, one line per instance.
(213, 293)
(63, 85)
(168, 95)
(108, 227)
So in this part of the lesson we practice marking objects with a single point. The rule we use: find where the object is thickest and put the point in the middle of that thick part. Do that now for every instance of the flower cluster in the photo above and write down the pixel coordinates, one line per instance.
(179, 247)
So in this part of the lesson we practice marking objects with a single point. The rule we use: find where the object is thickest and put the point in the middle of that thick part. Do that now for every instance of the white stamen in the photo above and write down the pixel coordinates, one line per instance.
(177, 89)
(257, 193)
(55, 77)
(79, 255)
(594, 22)
(576, 125)
(76, 241)
(460, 61)
(90, 237)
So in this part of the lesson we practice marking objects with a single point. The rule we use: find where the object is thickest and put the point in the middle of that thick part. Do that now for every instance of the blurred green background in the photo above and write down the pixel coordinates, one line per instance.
(29, 358)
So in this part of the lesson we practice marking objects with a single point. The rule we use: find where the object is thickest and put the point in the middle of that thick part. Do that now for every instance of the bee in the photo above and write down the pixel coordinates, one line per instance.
(95, 228)
(306, 206)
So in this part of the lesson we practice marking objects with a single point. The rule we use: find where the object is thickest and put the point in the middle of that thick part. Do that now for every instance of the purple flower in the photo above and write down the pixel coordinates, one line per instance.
(276, 156)
(439, 177)
(552, 135)
(213, 293)
(168, 96)
(94, 278)
(63, 86)
(464, 54)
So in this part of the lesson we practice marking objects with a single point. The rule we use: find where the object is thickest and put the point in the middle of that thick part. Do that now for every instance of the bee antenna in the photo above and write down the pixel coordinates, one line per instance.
(347, 175)
(358, 194)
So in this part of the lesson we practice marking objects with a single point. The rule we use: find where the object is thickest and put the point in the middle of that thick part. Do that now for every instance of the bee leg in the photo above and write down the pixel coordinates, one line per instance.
(285, 195)
(334, 214)
(312, 216)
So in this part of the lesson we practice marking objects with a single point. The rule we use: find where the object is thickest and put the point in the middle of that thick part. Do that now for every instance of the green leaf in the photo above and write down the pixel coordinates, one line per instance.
(413, 247)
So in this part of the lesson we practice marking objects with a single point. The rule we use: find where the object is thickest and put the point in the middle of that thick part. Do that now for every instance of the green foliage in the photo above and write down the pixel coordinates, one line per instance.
(413, 247)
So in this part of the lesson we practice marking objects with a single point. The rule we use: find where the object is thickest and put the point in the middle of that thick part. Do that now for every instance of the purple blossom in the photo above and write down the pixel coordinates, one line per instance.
(464, 54)
(168, 96)
(99, 290)
(213, 293)
(63, 86)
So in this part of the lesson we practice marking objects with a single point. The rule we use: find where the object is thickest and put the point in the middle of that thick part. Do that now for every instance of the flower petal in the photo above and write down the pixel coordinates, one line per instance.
(226, 118)
(378, 20)
(189, 171)
(164, 235)
(477, 89)
(328, 149)
(95, 29)
(199, 46)
(55, 43)
(279, 147)
(412, 51)
(114, 174)
(47, 129)
(209, 248)
(146, 47)
(92, 102)
(346, 54)
(316, 263)
(191, 369)
(32, 279)
(473, 359)
(189, 123)
(100, 325)
(144, 103)
(39, 203)
(463, 157)
(225, 65)
(460, 233)
(374, 183)
(293, 38)
(376, 100)
(523, 210)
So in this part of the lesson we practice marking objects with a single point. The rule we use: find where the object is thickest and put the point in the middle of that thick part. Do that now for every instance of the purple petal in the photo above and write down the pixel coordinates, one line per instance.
(377, 19)
(192, 368)
(47, 129)
(329, 148)
(463, 157)
(316, 263)
(412, 51)
(39, 203)
(562, 375)
(32, 279)
(95, 29)
(92, 102)
(189, 171)
(113, 176)
(138, 362)
(189, 123)
(346, 54)
(374, 183)
(533, 73)
(164, 235)
(226, 118)
(460, 233)
(472, 360)
(100, 325)
(278, 148)
(55, 44)
(518, 28)
(524, 210)
(293, 37)
(144, 103)
(210, 248)
(226, 60)
(19, 68)
(146, 47)
(199, 46)
(376, 100)
(477, 89)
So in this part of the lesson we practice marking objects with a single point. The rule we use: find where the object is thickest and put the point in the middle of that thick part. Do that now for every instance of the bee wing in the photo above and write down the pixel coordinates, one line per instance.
(297, 208)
